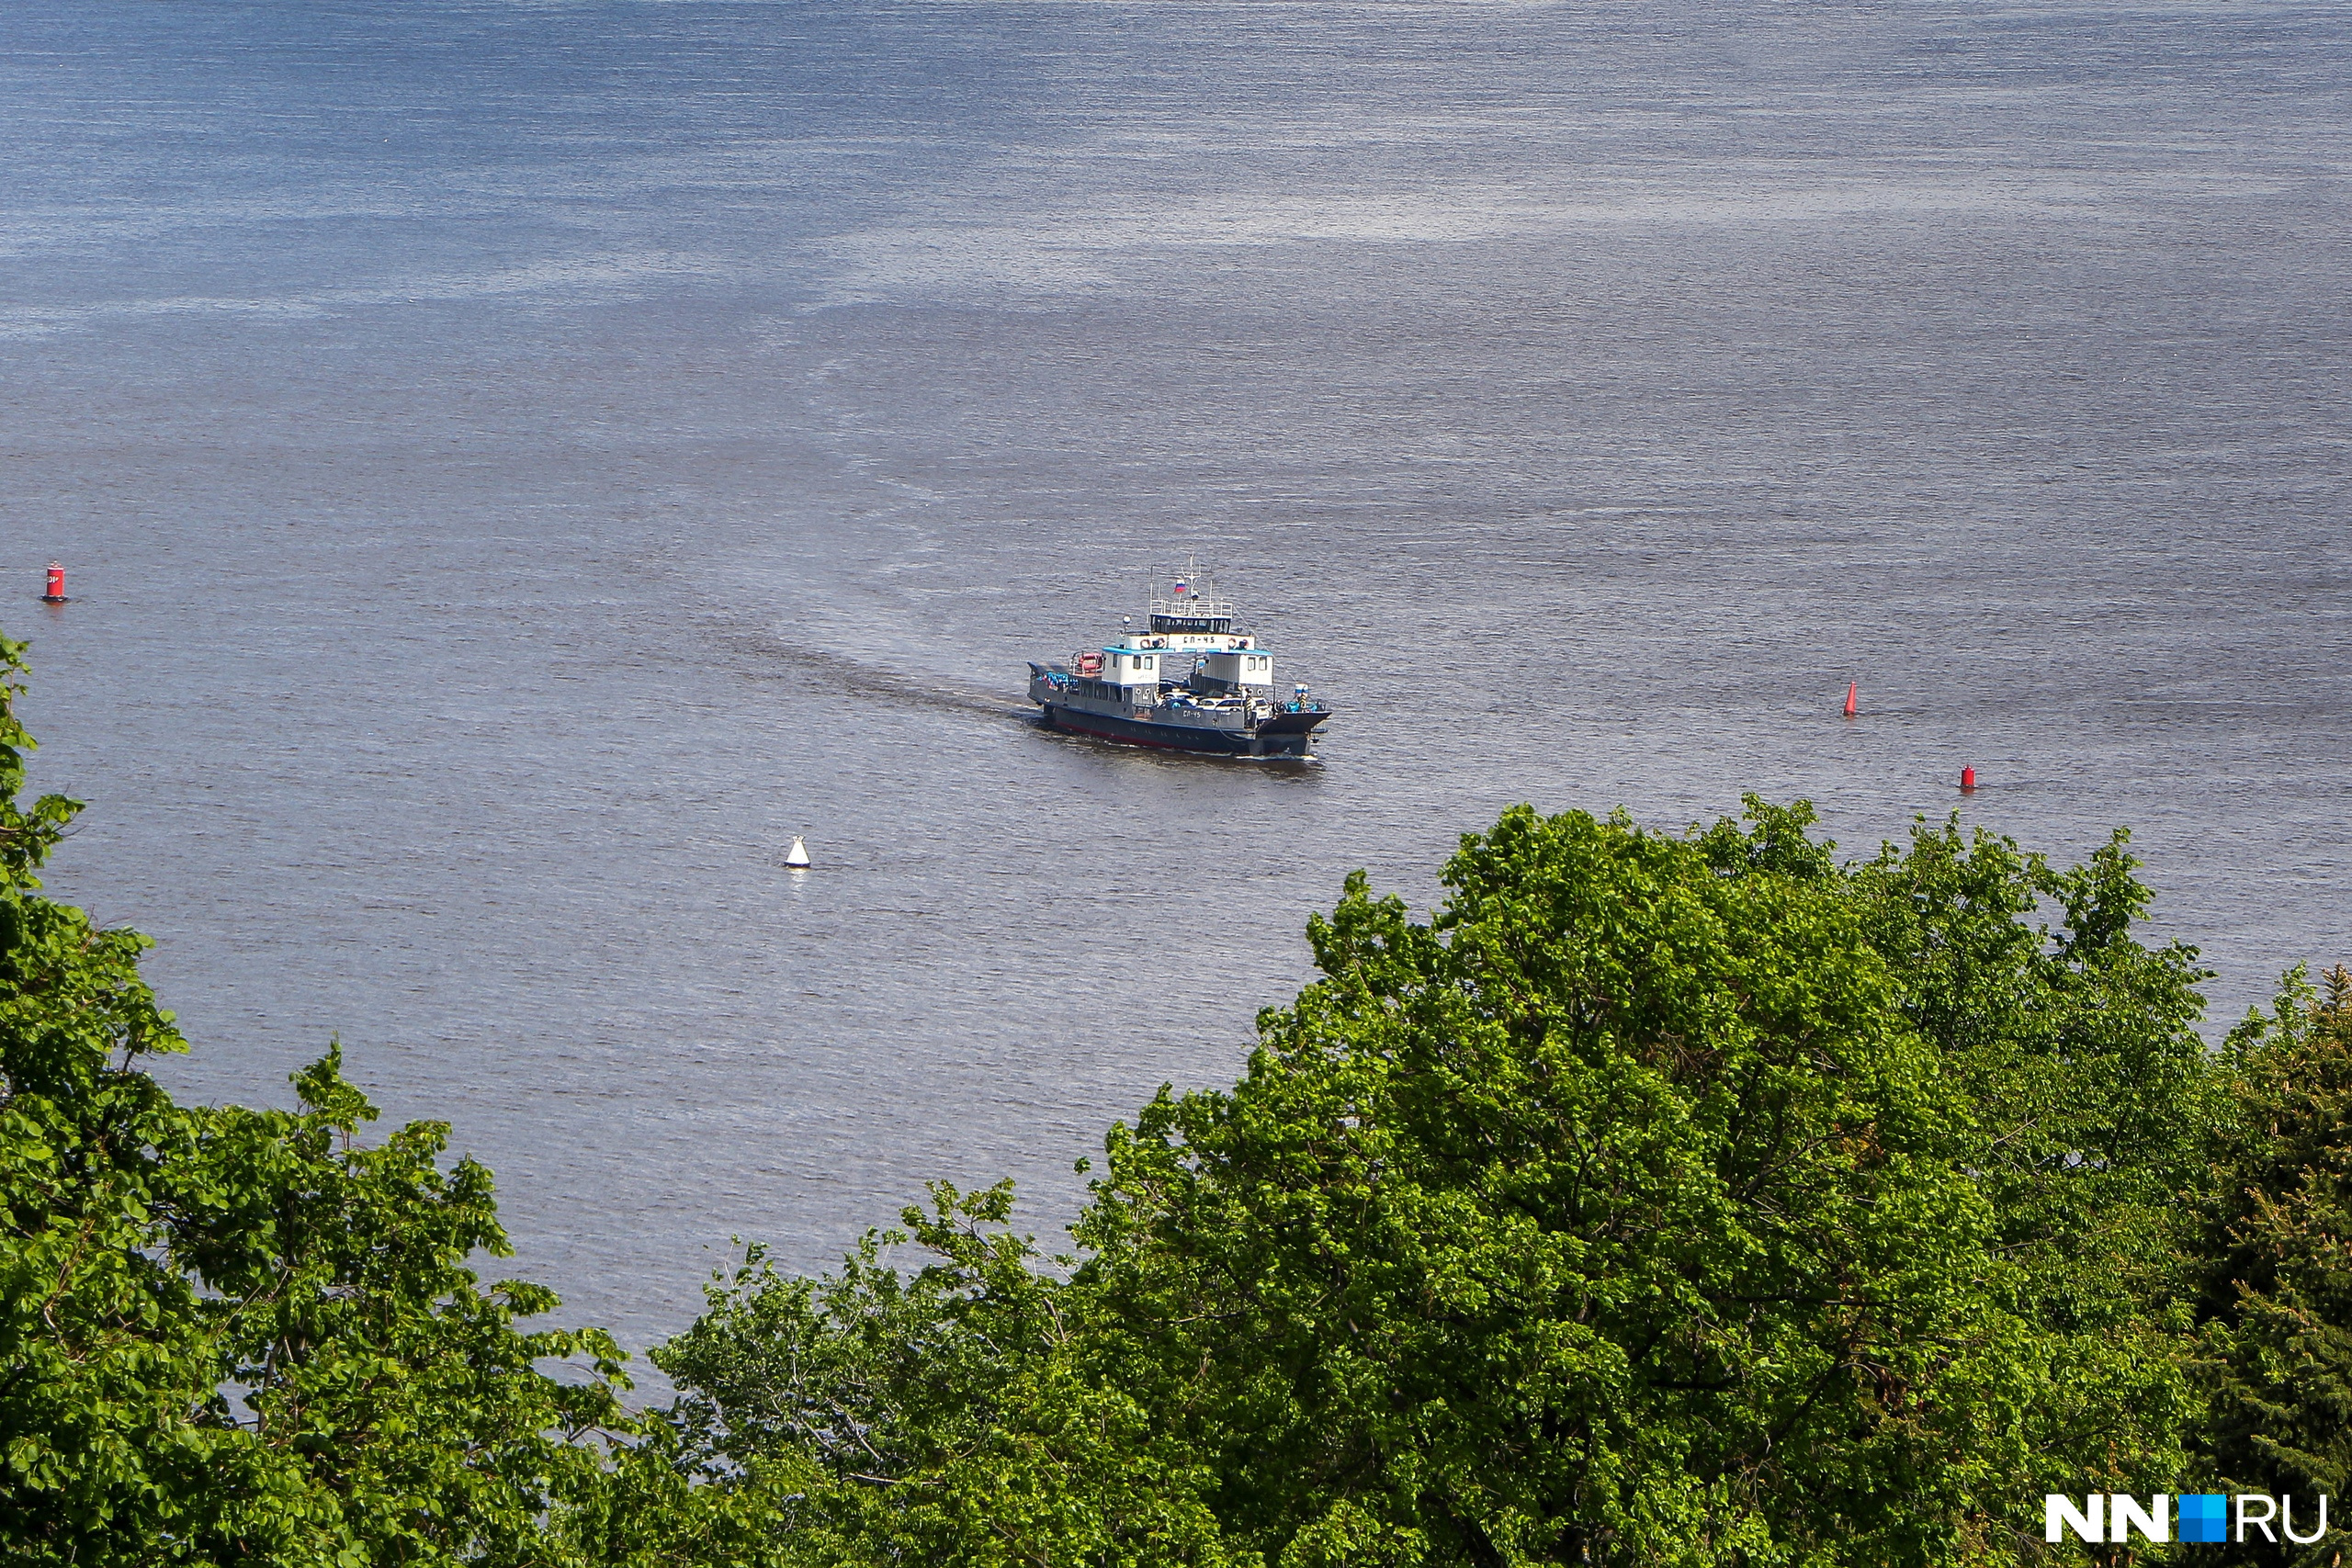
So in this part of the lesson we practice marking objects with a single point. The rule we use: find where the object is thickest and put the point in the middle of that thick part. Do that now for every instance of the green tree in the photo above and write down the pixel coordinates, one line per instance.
(2093, 1093)
(954, 1415)
(2276, 1261)
(1615, 1215)
(230, 1336)
(1663, 1199)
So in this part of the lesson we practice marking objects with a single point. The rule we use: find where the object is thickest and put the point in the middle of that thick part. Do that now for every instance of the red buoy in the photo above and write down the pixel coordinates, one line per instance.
(56, 594)
(1852, 688)
(1968, 780)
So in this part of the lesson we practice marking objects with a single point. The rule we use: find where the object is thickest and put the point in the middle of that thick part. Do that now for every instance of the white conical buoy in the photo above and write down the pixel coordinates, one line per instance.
(797, 857)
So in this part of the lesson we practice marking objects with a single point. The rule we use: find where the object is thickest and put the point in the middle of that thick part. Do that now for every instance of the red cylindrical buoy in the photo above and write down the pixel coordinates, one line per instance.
(1968, 780)
(1852, 688)
(56, 594)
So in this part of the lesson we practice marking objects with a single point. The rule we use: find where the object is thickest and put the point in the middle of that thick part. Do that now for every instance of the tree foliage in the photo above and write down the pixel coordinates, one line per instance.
(2275, 1251)
(1660, 1201)
(1665, 1199)
(1614, 1215)
(953, 1415)
(2075, 1046)
(231, 1335)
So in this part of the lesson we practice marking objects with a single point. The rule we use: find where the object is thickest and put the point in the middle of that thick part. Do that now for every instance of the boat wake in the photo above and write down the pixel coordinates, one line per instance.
(763, 655)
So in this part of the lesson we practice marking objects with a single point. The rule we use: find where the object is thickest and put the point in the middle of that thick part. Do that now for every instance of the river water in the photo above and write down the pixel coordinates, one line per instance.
(520, 463)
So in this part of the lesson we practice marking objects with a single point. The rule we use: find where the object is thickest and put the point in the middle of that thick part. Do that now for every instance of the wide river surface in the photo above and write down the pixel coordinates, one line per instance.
(518, 464)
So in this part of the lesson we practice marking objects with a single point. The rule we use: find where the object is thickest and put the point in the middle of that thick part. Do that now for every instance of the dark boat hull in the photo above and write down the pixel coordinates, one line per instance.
(1280, 734)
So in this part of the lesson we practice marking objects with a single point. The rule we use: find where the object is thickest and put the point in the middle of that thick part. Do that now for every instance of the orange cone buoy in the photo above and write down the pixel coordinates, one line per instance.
(1852, 688)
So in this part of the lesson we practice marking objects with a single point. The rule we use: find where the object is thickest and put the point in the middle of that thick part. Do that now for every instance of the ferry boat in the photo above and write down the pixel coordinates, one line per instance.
(1188, 681)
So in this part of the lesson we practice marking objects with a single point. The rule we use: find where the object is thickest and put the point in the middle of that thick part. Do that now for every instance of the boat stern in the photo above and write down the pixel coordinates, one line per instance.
(1046, 682)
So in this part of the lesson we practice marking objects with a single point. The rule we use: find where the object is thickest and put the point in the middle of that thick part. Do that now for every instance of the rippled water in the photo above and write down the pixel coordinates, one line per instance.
(518, 464)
